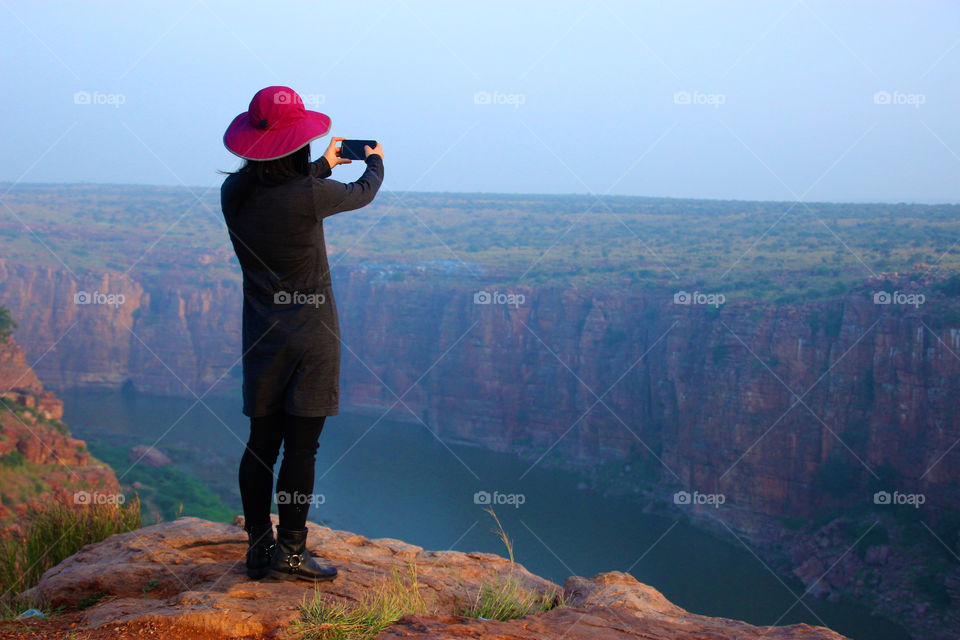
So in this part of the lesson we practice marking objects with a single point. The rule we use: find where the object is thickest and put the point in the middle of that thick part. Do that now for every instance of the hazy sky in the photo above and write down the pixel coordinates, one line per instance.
(759, 100)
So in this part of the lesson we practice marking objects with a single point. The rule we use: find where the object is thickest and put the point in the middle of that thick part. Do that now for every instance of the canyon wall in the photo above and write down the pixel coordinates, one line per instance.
(785, 409)
(41, 464)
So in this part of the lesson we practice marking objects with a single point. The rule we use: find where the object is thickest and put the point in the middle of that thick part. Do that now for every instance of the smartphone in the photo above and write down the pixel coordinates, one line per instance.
(353, 149)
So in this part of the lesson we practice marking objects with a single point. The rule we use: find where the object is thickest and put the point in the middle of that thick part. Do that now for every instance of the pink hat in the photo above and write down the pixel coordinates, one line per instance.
(275, 125)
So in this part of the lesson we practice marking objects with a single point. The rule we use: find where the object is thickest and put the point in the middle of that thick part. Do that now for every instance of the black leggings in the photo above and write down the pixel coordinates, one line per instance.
(300, 437)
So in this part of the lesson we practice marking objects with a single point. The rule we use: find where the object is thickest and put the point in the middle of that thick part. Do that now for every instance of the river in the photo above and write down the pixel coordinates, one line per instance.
(396, 480)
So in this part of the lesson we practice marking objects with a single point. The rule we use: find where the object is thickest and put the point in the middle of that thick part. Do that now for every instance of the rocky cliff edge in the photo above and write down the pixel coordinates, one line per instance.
(186, 579)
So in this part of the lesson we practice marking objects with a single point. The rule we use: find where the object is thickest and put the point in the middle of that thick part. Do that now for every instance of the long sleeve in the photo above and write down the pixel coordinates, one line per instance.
(332, 197)
(320, 168)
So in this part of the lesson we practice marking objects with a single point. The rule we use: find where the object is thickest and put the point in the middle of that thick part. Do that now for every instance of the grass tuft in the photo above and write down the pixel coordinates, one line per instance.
(509, 599)
(388, 600)
(52, 535)
(501, 533)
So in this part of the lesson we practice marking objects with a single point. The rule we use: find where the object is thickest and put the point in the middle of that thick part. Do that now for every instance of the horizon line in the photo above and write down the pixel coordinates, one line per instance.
(12, 185)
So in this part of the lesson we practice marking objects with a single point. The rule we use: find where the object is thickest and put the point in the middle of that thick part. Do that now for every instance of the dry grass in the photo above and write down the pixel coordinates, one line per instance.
(389, 600)
(52, 535)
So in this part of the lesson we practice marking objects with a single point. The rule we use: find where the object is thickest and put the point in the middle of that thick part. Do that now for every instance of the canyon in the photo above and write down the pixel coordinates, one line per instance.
(759, 402)
(808, 410)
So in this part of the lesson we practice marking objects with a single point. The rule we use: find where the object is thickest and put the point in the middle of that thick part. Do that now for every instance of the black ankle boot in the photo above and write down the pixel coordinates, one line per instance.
(292, 561)
(260, 549)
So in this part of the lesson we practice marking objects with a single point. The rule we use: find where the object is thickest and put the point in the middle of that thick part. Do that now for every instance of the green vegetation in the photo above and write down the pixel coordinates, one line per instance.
(7, 325)
(15, 407)
(509, 599)
(774, 251)
(167, 492)
(951, 286)
(387, 601)
(50, 536)
(13, 459)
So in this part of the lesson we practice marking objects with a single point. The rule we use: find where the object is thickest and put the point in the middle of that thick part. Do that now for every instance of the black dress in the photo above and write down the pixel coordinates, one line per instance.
(291, 336)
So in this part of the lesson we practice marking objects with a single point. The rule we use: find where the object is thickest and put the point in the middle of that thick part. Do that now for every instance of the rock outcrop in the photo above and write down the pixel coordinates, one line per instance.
(40, 462)
(148, 455)
(187, 577)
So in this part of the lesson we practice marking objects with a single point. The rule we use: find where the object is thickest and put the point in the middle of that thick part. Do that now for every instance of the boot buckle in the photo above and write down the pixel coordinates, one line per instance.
(299, 558)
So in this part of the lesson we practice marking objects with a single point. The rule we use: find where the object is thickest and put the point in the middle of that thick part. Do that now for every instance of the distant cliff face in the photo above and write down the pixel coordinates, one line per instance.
(785, 409)
(111, 330)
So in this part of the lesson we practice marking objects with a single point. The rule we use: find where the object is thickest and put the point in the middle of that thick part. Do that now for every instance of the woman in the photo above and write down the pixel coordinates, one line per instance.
(274, 208)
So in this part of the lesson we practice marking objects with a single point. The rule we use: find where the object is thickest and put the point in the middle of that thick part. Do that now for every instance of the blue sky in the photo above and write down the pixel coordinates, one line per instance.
(841, 101)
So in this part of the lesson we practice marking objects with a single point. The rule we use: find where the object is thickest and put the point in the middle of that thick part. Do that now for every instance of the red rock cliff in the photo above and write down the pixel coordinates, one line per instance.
(758, 401)
(40, 462)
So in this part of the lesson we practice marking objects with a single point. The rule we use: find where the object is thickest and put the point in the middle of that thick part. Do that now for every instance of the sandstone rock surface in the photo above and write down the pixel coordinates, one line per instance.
(189, 574)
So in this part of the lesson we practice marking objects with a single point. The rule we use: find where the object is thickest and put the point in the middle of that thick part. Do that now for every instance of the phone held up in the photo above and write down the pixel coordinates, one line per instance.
(353, 149)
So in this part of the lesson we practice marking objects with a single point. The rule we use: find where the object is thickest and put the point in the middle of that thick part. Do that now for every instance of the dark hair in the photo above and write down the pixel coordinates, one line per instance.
(278, 171)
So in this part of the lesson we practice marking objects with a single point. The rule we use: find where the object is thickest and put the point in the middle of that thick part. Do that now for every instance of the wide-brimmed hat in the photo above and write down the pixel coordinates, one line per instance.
(275, 125)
